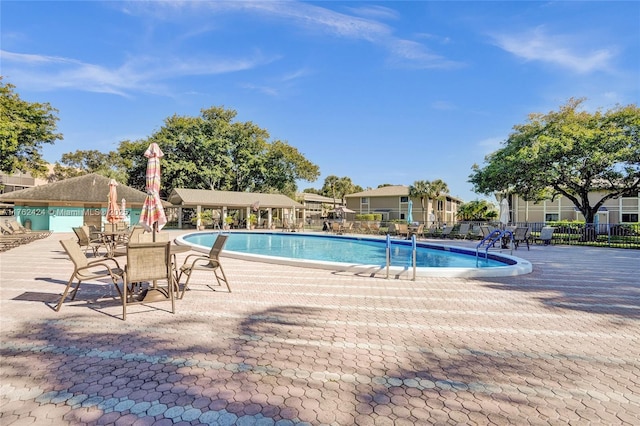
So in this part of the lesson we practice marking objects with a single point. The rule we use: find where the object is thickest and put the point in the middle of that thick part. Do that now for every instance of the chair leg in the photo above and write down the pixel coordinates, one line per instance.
(65, 292)
(186, 284)
(224, 278)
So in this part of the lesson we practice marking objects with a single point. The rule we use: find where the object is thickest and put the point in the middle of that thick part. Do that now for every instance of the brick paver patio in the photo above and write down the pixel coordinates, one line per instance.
(302, 346)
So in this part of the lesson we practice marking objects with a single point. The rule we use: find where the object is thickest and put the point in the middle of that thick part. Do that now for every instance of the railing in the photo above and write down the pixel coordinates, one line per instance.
(618, 235)
(490, 240)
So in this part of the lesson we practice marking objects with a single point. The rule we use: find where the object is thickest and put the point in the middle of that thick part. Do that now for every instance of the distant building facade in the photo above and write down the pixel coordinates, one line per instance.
(392, 202)
(619, 210)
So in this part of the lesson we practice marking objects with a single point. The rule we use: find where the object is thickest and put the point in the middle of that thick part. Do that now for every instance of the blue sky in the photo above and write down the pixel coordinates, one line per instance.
(382, 92)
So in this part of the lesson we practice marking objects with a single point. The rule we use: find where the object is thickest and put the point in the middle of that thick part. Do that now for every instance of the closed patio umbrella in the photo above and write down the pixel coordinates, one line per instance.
(504, 211)
(152, 217)
(410, 212)
(113, 214)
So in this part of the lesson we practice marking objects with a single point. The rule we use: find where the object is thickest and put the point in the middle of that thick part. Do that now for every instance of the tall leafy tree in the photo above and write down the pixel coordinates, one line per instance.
(423, 190)
(92, 161)
(568, 152)
(24, 128)
(213, 151)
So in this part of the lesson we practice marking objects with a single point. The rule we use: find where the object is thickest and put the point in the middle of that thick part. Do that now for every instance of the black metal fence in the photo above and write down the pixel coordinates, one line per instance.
(625, 235)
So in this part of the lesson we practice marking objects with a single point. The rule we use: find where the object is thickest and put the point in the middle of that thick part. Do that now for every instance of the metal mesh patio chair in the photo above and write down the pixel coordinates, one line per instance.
(148, 262)
(210, 262)
(85, 270)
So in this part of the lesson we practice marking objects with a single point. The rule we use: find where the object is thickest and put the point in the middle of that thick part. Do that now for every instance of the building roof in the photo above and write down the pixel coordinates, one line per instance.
(391, 191)
(385, 191)
(86, 189)
(210, 198)
(309, 196)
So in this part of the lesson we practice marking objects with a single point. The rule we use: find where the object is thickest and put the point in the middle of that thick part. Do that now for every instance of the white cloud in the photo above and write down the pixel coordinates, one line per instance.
(564, 51)
(315, 18)
(142, 74)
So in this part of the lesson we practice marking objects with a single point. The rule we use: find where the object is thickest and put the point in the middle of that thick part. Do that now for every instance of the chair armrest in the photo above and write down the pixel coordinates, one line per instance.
(196, 259)
(103, 261)
(103, 264)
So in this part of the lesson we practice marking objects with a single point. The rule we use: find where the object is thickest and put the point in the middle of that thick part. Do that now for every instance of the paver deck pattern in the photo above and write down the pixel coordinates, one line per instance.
(303, 346)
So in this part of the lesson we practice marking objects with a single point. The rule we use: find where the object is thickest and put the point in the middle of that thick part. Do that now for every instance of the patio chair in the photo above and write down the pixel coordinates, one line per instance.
(336, 228)
(148, 262)
(463, 231)
(201, 262)
(82, 232)
(402, 229)
(85, 270)
(19, 229)
(521, 234)
(546, 235)
(446, 232)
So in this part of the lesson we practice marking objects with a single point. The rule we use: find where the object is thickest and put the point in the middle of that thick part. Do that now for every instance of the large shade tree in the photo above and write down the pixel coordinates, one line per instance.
(213, 151)
(569, 152)
(24, 128)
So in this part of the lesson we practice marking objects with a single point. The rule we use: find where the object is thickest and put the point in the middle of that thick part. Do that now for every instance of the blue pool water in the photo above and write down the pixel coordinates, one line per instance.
(345, 249)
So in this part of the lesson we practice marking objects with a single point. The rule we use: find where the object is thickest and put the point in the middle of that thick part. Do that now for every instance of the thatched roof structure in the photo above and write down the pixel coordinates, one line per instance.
(208, 198)
(86, 189)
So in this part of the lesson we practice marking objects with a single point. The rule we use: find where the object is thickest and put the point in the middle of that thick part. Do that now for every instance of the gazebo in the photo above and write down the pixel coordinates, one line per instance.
(271, 210)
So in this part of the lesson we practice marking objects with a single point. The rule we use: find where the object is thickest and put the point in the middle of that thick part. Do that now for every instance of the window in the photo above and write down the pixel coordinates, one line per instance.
(629, 217)
(404, 199)
(364, 200)
(551, 217)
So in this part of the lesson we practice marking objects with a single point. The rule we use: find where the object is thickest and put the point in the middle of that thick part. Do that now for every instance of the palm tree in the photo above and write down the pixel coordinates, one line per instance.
(421, 189)
(439, 189)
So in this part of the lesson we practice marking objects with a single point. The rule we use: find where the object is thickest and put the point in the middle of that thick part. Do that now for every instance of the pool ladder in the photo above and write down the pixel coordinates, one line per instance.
(490, 240)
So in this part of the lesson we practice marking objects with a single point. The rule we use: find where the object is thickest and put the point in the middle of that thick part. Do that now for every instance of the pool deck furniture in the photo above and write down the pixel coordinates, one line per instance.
(209, 263)
(293, 345)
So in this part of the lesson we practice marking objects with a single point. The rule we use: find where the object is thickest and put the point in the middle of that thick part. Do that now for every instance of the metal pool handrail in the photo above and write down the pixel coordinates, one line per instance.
(491, 240)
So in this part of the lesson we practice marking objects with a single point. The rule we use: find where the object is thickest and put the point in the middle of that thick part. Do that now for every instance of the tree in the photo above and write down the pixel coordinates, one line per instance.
(570, 153)
(439, 189)
(423, 190)
(336, 187)
(214, 152)
(24, 128)
(92, 161)
(477, 210)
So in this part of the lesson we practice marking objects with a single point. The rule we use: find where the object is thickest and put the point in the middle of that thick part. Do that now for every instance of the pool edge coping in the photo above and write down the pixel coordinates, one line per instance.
(518, 267)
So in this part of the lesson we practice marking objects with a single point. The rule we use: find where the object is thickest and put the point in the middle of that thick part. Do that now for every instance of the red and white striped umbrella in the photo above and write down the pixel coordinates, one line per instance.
(152, 210)
(113, 214)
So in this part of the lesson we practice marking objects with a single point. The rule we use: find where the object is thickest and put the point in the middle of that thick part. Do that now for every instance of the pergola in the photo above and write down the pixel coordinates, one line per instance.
(245, 202)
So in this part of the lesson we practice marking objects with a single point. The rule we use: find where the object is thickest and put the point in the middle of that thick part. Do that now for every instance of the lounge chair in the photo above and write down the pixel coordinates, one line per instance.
(446, 232)
(85, 270)
(463, 231)
(521, 234)
(201, 262)
(19, 229)
(148, 262)
(546, 235)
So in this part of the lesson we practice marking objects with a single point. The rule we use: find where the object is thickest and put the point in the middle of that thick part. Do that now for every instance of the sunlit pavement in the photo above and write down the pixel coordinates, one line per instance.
(302, 346)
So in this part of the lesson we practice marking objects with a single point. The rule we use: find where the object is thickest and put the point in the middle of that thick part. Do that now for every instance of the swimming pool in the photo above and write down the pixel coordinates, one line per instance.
(358, 254)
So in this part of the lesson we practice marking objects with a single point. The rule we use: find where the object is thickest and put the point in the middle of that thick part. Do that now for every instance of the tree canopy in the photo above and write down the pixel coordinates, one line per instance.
(477, 210)
(568, 152)
(338, 187)
(24, 128)
(210, 151)
(425, 190)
